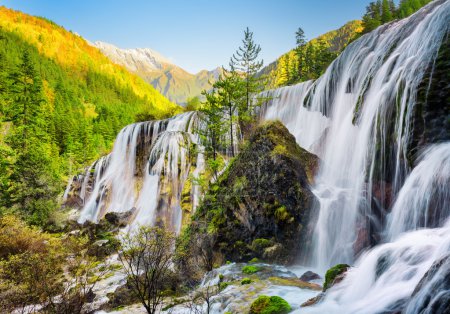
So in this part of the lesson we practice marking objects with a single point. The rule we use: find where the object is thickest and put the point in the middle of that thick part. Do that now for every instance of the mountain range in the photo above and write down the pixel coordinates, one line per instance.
(169, 79)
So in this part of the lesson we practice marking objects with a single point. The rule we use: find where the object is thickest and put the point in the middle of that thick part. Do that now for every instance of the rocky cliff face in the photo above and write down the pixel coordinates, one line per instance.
(260, 207)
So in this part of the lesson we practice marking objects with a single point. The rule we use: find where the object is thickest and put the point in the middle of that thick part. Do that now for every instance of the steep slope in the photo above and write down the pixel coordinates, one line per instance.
(98, 87)
(318, 54)
(62, 103)
(72, 51)
(169, 79)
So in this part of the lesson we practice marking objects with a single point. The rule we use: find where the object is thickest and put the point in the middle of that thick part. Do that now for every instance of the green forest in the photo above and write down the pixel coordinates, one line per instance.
(53, 123)
(383, 11)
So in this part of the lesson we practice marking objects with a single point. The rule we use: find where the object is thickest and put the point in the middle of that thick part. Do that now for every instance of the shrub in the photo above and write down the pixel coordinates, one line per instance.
(269, 305)
(250, 269)
(223, 285)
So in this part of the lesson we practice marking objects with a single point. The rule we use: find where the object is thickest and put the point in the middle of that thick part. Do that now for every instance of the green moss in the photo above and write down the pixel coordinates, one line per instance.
(119, 308)
(221, 277)
(223, 285)
(239, 184)
(269, 305)
(281, 214)
(254, 260)
(332, 273)
(250, 269)
(246, 281)
(294, 282)
(260, 244)
(279, 150)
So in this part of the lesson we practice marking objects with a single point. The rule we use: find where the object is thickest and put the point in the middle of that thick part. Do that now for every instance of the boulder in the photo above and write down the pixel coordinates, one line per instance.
(309, 276)
(119, 219)
(335, 275)
(260, 206)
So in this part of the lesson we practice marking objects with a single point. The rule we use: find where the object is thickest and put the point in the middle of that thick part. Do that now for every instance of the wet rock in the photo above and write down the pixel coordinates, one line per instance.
(123, 295)
(335, 275)
(263, 196)
(432, 293)
(314, 300)
(273, 305)
(120, 219)
(309, 276)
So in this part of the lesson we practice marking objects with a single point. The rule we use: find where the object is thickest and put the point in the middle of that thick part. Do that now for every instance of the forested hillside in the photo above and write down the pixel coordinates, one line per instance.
(62, 103)
(310, 59)
(383, 11)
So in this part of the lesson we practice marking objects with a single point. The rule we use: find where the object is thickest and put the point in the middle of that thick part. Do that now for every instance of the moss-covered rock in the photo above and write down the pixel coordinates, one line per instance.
(269, 305)
(246, 281)
(250, 269)
(334, 275)
(260, 206)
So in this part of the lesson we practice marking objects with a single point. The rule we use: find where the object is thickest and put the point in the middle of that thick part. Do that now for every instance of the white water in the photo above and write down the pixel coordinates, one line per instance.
(118, 186)
(387, 275)
(424, 200)
(358, 110)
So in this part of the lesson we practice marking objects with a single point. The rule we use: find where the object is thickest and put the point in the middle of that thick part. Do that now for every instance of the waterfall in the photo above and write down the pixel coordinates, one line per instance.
(358, 118)
(424, 200)
(383, 279)
(145, 172)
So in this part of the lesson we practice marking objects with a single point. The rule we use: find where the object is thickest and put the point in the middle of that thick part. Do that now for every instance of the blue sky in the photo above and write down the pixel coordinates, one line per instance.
(195, 34)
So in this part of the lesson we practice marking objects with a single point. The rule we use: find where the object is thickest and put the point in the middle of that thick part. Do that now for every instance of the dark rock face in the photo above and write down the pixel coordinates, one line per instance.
(431, 121)
(432, 293)
(309, 275)
(260, 206)
(119, 219)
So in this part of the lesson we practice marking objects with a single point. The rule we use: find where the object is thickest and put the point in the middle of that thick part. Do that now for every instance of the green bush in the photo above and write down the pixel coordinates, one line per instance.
(250, 269)
(332, 273)
(223, 285)
(246, 281)
(269, 305)
(254, 260)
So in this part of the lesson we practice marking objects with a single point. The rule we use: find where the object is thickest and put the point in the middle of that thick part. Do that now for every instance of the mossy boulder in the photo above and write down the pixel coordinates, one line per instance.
(260, 206)
(334, 275)
(250, 269)
(269, 305)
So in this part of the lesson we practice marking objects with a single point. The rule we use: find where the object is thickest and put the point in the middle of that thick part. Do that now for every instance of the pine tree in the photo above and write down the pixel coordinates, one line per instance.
(283, 75)
(245, 61)
(214, 130)
(230, 89)
(300, 40)
(386, 14)
(372, 18)
(32, 186)
(3, 83)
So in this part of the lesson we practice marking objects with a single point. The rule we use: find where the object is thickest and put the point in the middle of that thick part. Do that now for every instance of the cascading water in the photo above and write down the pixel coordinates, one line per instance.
(384, 278)
(424, 200)
(146, 172)
(358, 117)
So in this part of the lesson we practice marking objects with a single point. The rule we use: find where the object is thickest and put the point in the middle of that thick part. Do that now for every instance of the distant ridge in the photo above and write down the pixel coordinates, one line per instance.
(169, 79)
